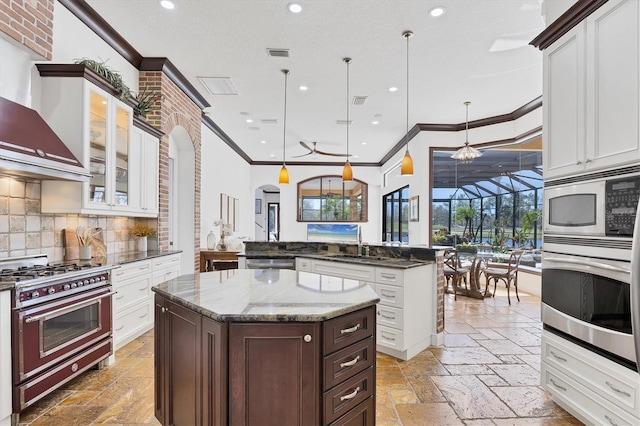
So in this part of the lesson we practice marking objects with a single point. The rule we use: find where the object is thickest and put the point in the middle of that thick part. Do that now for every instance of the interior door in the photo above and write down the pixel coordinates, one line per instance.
(273, 221)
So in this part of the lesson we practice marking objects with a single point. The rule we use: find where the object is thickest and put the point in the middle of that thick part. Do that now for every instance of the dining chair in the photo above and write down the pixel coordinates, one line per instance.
(509, 274)
(454, 271)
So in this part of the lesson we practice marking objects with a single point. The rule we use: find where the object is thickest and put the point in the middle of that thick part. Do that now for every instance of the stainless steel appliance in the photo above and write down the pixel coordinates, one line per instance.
(591, 262)
(271, 263)
(61, 323)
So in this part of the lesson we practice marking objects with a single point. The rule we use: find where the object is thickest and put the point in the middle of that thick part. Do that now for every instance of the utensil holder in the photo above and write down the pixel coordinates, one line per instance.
(85, 252)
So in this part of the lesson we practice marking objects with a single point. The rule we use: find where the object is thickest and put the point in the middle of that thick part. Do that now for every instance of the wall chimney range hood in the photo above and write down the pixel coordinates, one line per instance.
(29, 148)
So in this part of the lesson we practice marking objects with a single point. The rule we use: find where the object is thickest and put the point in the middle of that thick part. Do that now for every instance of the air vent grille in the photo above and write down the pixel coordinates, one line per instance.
(359, 100)
(589, 242)
(269, 120)
(344, 122)
(218, 85)
(278, 53)
(591, 176)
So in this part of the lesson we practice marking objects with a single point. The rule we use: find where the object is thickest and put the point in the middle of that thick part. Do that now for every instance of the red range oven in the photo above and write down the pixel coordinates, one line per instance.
(61, 326)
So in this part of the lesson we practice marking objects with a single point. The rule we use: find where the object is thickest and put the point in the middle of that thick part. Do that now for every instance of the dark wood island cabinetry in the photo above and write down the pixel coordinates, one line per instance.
(251, 347)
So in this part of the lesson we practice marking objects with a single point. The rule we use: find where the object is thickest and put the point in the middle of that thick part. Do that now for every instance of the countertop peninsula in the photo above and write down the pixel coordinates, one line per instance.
(268, 295)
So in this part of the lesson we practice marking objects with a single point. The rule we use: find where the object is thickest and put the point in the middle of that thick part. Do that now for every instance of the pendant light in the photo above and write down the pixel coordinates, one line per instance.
(347, 172)
(406, 167)
(284, 173)
(467, 153)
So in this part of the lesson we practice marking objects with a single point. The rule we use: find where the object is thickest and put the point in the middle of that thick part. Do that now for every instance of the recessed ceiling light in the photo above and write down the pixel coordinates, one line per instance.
(167, 4)
(303, 88)
(355, 156)
(437, 12)
(249, 120)
(364, 143)
(374, 122)
(272, 155)
(263, 141)
(294, 7)
(393, 89)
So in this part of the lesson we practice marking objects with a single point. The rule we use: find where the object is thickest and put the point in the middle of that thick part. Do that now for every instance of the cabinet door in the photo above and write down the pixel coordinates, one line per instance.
(178, 368)
(564, 104)
(120, 151)
(274, 374)
(99, 160)
(214, 372)
(613, 73)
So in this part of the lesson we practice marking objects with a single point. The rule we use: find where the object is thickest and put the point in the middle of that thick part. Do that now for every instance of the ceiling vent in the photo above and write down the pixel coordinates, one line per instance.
(218, 85)
(279, 53)
(269, 120)
(344, 122)
(359, 100)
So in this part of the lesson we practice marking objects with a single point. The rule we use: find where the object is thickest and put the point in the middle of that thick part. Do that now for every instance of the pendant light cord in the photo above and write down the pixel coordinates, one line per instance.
(284, 127)
(348, 61)
(466, 138)
(407, 35)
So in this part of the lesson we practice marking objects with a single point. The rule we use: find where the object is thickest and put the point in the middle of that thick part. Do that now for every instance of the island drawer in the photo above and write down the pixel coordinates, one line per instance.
(347, 395)
(362, 415)
(345, 330)
(347, 362)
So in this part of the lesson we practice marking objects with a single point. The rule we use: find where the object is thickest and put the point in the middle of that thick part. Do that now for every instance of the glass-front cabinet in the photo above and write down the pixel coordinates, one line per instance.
(122, 159)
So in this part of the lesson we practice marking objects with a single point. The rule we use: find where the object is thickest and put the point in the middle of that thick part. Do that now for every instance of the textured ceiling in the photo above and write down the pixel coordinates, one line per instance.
(452, 59)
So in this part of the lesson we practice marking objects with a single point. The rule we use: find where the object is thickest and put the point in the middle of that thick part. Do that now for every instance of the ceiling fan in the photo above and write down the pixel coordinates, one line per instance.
(314, 150)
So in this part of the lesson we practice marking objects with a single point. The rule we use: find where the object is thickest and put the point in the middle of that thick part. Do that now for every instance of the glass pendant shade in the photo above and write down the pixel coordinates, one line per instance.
(406, 167)
(284, 175)
(347, 172)
(466, 154)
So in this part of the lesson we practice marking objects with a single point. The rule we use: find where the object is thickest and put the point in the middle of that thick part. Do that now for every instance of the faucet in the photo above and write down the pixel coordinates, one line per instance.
(359, 240)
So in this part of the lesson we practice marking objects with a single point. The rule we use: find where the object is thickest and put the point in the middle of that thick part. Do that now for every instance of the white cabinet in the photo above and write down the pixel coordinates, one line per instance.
(406, 314)
(592, 388)
(144, 152)
(592, 93)
(133, 301)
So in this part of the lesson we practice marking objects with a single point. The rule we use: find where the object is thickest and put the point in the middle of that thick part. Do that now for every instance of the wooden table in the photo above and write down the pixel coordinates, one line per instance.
(213, 260)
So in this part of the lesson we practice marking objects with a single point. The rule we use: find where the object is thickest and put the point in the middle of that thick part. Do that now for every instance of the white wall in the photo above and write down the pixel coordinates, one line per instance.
(15, 79)
(290, 228)
(223, 171)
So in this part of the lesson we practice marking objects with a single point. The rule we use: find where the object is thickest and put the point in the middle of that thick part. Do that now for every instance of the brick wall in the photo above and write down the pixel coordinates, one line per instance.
(174, 108)
(29, 22)
(441, 285)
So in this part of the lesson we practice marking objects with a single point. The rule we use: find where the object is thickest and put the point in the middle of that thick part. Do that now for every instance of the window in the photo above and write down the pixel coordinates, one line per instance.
(329, 199)
(395, 225)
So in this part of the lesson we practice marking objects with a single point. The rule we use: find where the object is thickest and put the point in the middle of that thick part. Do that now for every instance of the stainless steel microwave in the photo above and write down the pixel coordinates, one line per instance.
(605, 207)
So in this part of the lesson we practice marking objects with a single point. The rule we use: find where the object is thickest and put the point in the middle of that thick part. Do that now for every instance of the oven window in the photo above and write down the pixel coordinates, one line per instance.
(591, 298)
(573, 210)
(67, 327)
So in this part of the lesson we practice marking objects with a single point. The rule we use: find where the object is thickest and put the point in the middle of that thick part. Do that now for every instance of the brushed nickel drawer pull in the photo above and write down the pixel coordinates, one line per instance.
(387, 316)
(120, 328)
(389, 295)
(350, 330)
(388, 276)
(350, 363)
(606, 416)
(557, 356)
(351, 395)
(613, 388)
(388, 338)
(142, 316)
(143, 288)
(557, 385)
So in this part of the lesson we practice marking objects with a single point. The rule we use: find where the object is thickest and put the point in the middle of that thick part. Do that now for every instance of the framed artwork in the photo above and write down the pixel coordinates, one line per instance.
(258, 206)
(331, 232)
(414, 209)
(230, 211)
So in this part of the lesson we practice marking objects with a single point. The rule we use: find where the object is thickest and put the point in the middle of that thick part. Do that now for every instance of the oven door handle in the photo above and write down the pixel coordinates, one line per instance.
(68, 308)
(599, 265)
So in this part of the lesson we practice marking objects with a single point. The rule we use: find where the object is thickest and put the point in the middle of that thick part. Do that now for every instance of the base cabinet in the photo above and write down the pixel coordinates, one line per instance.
(216, 373)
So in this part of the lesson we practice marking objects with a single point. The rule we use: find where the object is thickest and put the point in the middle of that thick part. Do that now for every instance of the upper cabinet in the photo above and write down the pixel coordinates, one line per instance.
(592, 93)
(99, 129)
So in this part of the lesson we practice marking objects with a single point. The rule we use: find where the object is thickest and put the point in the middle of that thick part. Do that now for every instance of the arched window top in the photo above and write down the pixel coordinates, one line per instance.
(329, 199)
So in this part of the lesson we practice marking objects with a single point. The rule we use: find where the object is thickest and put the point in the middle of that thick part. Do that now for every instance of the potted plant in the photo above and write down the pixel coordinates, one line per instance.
(467, 248)
(145, 99)
(113, 77)
(142, 231)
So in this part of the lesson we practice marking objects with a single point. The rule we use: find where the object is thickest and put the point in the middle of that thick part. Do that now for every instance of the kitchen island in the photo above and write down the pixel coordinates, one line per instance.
(268, 347)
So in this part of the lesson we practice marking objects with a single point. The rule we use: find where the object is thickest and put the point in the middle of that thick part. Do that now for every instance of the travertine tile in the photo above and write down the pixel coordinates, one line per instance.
(502, 347)
(69, 416)
(458, 340)
(427, 414)
(467, 370)
(403, 396)
(528, 401)
(520, 336)
(470, 398)
(518, 374)
(492, 380)
(477, 355)
(391, 378)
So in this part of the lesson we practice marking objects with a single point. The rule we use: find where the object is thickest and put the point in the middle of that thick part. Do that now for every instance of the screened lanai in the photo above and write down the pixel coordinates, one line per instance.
(495, 200)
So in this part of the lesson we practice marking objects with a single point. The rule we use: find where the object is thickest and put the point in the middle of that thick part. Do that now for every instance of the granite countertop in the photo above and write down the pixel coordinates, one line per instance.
(387, 262)
(268, 295)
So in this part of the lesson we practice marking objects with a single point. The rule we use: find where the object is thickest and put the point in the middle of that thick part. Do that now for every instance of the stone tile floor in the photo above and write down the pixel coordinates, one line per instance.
(487, 373)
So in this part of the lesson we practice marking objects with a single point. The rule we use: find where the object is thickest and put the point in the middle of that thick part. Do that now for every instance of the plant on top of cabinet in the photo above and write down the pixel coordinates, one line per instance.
(145, 99)
(107, 72)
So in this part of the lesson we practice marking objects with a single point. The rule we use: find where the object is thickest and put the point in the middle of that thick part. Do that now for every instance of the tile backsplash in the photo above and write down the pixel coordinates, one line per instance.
(24, 230)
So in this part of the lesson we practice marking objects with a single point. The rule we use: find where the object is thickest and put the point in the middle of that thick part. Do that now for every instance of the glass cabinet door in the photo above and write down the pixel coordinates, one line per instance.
(121, 195)
(98, 148)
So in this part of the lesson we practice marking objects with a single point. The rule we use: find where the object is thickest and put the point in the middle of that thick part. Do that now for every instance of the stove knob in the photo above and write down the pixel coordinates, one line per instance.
(103, 278)
(66, 287)
(51, 290)
(86, 282)
(35, 294)
(74, 285)
(92, 280)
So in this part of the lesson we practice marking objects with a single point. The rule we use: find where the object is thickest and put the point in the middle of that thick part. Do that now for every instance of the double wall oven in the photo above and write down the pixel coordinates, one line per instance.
(590, 264)
(61, 323)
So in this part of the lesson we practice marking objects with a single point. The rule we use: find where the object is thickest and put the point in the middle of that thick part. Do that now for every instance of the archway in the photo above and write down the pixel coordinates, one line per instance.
(267, 213)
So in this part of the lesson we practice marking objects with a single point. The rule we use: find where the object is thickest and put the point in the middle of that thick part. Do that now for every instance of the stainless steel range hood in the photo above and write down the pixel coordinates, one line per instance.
(29, 148)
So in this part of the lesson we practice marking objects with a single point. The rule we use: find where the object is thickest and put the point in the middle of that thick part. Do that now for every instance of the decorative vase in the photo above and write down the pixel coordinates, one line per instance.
(222, 244)
(211, 241)
(142, 243)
